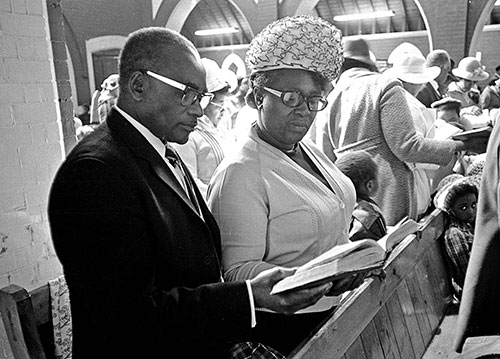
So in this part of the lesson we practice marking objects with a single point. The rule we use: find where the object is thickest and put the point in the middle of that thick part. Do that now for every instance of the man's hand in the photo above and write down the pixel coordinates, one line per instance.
(287, 302)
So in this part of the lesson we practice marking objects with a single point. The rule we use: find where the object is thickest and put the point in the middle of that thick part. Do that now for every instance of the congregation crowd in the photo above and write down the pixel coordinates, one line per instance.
(205, 189)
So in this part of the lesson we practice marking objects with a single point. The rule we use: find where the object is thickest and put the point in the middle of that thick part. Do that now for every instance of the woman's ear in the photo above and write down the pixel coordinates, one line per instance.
(254, 98)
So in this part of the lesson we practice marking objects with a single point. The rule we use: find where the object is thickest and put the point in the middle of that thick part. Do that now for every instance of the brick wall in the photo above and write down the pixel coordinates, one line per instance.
(30, 143)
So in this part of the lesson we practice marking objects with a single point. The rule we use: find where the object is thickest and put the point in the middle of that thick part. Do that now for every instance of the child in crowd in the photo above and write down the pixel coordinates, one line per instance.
(367, 219)
(457, 197)
(448, 121)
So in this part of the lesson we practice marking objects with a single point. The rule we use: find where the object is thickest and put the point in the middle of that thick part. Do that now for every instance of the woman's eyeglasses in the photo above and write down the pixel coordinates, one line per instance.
(295, 99)
(190, 96)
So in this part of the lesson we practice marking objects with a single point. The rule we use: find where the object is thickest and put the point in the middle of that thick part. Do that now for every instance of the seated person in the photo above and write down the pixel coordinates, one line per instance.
(457, 197)
(367, 219)
(448, 114)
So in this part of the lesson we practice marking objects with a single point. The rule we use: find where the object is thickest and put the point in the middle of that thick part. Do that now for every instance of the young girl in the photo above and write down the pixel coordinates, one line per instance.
(457, 197)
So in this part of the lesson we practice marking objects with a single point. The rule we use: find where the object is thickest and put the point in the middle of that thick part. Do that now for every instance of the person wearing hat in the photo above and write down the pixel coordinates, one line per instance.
(448, 120)
(457, 197)
(279, 201)
(103, 100)
(139, 248)
(435, 89)
(369, 111)
(411, 70)
(208, 145)
(469, 71)
(490, 97)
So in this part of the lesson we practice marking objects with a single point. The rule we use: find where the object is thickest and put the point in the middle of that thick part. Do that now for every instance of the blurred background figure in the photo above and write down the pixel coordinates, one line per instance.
(490, 97)
(235, 102)
(103, 100)
(469, 72)
(208, 144)
(434, 90)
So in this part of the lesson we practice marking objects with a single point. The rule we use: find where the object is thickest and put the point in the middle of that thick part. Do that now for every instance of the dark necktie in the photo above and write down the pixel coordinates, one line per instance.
(174, 160)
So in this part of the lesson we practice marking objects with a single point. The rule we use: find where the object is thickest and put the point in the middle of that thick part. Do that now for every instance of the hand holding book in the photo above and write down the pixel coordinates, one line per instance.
(347, 260)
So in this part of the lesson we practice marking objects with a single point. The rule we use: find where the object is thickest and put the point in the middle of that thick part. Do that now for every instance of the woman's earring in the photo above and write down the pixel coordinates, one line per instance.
(258, 102)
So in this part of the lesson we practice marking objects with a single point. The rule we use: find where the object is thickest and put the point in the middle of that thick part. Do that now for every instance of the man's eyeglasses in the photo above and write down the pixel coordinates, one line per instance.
(190, 96)
(295, 99)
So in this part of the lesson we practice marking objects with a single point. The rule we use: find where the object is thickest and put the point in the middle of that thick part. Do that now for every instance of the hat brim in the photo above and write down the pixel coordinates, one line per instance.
(481, 76)
(363, 59)
(428, 74)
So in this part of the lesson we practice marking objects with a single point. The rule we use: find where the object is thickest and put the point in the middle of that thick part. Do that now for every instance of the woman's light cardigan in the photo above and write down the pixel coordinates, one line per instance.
(272, 212)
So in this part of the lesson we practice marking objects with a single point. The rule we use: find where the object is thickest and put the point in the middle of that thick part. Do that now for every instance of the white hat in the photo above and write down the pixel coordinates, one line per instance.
(470, 68)
(410, 67)
(111, 82)
(401, 50)
(215, 76)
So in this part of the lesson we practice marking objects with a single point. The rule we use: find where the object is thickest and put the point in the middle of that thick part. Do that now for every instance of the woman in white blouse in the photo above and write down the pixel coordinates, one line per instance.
(278, 200)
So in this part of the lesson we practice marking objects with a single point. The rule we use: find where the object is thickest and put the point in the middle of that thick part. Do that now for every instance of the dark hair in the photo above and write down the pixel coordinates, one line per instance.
(450, 106)
(147, 48)
(359, 166)
(264, 78)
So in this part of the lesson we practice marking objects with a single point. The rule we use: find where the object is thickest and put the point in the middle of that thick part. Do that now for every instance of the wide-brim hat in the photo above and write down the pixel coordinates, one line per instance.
(297, 42)
(111, 82)
(470, 68)
(401, 50)
(359, 50)
(216, 78)
(410, 67)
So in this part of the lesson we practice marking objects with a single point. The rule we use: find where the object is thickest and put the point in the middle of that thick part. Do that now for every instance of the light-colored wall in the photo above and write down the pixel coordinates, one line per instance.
(30, 146)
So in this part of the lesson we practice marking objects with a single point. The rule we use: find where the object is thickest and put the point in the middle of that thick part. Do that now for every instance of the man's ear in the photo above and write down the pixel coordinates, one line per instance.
(137, 85)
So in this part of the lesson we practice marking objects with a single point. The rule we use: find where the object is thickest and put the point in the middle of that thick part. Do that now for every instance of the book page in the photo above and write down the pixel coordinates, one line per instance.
(397, 233)
(340, 261)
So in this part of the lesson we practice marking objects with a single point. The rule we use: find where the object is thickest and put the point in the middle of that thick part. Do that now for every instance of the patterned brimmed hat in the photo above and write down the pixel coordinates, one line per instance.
(297, 42)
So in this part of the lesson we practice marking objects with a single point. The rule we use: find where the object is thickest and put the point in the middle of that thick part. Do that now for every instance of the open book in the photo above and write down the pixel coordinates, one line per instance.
(347, 259)
(477, 132)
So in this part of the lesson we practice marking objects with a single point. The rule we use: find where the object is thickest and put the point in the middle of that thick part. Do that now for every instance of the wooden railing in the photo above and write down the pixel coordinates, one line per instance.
(395, 316)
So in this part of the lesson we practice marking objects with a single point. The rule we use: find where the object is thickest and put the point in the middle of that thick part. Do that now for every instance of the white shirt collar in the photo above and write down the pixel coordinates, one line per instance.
(435, 85)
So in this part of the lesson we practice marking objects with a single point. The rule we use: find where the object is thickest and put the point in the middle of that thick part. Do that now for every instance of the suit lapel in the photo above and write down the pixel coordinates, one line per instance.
(143, 149)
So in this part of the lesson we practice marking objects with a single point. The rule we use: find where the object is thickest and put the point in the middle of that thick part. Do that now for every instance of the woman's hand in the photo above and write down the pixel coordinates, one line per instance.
(286, 302)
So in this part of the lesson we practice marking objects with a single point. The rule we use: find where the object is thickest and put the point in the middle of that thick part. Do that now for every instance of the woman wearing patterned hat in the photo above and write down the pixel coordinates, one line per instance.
(279, 201)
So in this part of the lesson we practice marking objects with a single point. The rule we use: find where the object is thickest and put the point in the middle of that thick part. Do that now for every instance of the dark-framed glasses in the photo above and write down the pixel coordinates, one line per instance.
(295, 99)
(190, 96)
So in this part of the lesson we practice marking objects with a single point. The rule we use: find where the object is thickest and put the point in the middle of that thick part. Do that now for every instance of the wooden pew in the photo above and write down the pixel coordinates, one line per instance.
(27, 319)
(394, 317)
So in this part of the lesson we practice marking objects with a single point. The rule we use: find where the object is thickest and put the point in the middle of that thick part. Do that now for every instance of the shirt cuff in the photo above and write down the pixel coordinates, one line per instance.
(252, 304)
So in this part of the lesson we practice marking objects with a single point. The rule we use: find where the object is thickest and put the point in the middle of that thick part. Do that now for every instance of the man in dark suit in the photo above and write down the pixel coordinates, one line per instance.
(139, 248)
(435, 90)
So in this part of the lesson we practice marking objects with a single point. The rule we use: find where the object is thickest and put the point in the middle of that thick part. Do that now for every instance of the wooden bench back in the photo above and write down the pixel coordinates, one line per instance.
(27, 319)
(395, 317)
